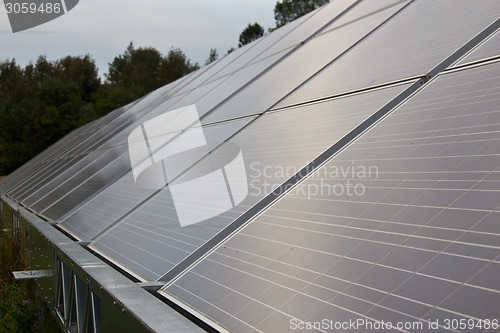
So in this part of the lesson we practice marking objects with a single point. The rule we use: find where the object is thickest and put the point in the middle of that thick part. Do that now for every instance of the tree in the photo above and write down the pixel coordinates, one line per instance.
(175, 65)
(212, 57)
(251, 33)
(288, 10)
(145, 69)
(136, 68)
(45, 100)
(41, 103)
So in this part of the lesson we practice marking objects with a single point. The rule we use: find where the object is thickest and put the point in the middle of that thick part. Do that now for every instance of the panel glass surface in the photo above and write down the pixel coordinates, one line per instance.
(490, 48)
(62, 156)
(53, 155)
(275, 84)
(412, 43)
(294, 33)
(149, 241)
(401, 226)
(124, 195)
(56, 195)
(49, 177)
(52, 191)
(262, 45)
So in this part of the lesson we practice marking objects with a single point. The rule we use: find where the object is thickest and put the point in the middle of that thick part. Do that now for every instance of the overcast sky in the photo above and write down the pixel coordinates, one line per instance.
(103, 29)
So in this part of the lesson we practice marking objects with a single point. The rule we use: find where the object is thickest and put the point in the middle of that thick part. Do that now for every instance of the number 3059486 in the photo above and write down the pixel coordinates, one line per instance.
(33, 8)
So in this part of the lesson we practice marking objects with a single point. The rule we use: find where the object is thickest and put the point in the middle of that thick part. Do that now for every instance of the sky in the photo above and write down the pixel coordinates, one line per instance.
(104, 29)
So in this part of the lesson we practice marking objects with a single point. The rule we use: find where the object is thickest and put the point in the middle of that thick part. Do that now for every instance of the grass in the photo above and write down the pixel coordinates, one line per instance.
(21, 310)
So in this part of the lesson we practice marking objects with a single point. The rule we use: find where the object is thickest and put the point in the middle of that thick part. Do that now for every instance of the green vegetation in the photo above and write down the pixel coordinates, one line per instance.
(21, 310)
(45, 100)
(213, 56)
(285, 11)
(251, 33)
(288, 10)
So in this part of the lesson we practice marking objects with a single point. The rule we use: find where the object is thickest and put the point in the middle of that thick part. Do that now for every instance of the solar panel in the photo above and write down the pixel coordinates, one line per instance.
(418, 38)
(124, 195)
(258, 96)
(207, 95)
(416, 242)
(282, 138)
(81, 148)
(306, 26)
(55, 197)
(61, 155)
(342, 169)
(490, 48)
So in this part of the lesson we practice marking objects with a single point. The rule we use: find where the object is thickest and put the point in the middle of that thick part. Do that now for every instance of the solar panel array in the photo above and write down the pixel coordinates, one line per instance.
(370, 133)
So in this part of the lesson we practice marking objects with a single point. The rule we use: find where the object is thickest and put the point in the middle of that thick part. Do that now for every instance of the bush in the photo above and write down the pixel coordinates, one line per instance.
(21, 310)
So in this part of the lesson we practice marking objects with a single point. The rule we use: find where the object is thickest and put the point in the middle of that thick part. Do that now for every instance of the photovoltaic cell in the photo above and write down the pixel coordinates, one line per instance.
(64, 198)
(409, 246)
(305, 61)
(274, 147)
(400, 226)
(73, 147)
(362, 10)
(411, 44)
(303, 28)
(214, 92)
(56, 196)
(124, 195)
(490, 48)
(49, 178)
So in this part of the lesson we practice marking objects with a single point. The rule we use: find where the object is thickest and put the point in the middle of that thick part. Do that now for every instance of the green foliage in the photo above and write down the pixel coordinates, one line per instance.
(212, 57)
(288, 10)
(41, 103)
(18, 313)
(142, 70)
(44, 101)
(175, 65)
(21, 310)
(251, 33)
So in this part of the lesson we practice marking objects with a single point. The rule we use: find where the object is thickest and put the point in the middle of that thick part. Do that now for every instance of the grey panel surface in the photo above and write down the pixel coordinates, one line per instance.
(124, 195)
(410, 44)
(149, 241)
(275, 84)
(291, 35)
(104, 134)
(59, 194)
(401, 226)
(490, 48)
(37, 187)
(364, 9)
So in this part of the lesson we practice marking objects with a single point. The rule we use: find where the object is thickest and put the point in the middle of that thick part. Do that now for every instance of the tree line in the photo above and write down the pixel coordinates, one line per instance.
(45, 100)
